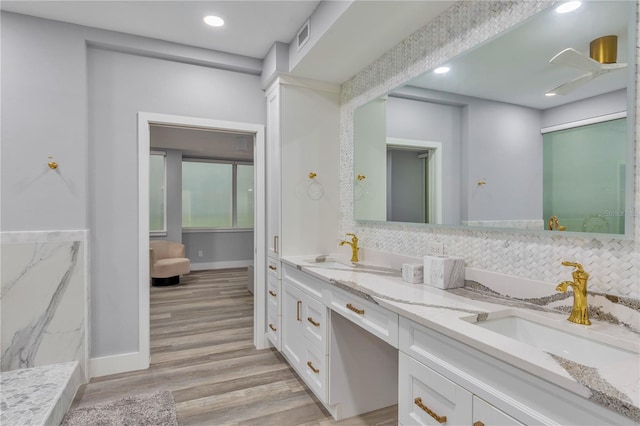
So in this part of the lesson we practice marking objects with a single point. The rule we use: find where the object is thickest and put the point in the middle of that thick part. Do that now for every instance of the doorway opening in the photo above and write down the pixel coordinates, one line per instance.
(256, 131)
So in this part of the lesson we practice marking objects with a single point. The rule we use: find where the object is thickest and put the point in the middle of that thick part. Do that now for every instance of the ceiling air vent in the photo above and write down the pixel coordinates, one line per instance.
(303, 35)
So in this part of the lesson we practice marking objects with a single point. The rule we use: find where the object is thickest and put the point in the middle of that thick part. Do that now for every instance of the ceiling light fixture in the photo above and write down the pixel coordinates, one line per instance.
(569, 6)
(441, 70)
(550, 94)
(214, 21)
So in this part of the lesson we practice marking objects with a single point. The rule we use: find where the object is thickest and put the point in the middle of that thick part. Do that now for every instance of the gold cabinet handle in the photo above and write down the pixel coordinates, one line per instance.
(273, 268)
(310, 319)
(275, 244)
(272, 293)
(437, 418)
(315, 370)
(354, 309)
(299, 305)
(272, 327)
(478, 423)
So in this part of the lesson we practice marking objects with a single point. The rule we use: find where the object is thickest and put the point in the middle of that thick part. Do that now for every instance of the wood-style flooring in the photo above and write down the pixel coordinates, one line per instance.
(202, 351)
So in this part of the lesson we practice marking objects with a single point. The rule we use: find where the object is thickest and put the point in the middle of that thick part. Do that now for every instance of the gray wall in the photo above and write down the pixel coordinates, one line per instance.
(592, 107)
(483, 140)
(80, 105)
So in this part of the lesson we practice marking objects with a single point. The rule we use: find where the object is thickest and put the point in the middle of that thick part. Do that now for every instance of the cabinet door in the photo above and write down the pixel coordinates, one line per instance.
(427, 398)
(485, 414)
(273, 180)
(293, 341)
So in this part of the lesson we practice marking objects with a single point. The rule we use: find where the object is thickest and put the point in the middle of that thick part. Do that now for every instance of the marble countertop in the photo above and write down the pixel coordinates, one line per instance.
(453, 312)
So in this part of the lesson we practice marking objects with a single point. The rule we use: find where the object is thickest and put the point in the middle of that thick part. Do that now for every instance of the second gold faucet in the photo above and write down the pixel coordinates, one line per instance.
(354, 246)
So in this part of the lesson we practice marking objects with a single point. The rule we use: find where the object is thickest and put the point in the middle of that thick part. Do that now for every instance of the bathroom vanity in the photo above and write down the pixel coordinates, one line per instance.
(363, 339)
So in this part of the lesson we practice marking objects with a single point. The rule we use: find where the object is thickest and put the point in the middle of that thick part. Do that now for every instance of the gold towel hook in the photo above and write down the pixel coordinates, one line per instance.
(312, 175)
(482, 182)
(52, 164)
(361, 177)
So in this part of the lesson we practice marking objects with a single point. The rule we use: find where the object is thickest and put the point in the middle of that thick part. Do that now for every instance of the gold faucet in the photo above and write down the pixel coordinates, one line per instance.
(554, 223)
(579, 312)
(354, 246)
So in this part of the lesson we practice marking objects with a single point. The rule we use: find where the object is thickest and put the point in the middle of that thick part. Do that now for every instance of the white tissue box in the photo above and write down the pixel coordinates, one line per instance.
(412, 273)
(444, 271)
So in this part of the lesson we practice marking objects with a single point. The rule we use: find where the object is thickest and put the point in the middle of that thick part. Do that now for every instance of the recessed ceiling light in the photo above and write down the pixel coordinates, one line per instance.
(214, 21)
(550, 94)
(441, 70)
(568, 6)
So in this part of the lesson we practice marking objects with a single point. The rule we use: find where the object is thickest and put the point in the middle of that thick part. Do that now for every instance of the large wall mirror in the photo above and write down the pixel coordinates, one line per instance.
(526, 131)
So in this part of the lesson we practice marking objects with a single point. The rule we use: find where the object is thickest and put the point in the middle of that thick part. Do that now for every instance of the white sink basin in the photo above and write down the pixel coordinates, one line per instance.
(330, 264)
(560, 337)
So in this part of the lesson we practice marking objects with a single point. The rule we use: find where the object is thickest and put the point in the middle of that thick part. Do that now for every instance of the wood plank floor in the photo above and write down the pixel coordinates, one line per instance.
(202, 351)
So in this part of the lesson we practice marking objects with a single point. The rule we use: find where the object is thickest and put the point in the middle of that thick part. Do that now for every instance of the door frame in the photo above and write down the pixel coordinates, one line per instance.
(145, 119)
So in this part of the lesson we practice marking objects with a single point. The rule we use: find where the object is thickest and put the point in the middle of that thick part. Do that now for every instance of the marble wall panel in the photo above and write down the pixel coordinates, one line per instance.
(43, 299)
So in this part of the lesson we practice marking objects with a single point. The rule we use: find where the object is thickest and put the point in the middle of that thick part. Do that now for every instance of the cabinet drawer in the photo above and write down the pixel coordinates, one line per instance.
(273, 267)
(427, 398)
(304, 281)
(274, 296)
(315, 323)
(315, 371)
(371, 317)
(273, 329)
(485, 414)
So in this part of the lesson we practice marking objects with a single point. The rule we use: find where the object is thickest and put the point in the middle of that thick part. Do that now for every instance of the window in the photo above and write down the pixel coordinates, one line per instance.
(217, 194)
(157, 192)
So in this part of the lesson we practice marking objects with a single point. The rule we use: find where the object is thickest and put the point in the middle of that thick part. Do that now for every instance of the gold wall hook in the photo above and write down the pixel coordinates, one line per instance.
(52, 164)
(361, 177)
(482, 182)
(312, 175)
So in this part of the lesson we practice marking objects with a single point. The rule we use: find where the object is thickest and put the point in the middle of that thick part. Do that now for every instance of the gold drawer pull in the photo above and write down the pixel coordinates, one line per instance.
(317, 324)
(299, 305)
(315, 370)
(437, 418)
(354, 309)
(272, 327)
(478, 423)
(273, 268)
(272, 293)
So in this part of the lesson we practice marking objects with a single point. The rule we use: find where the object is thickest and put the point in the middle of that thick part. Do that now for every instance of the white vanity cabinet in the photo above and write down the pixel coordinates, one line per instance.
(274, 303)
(462, 383)
(302, 138)
(305, 329)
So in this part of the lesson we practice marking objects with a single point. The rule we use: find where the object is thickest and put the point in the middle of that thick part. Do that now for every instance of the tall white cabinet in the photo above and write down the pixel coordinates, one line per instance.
(302, 212)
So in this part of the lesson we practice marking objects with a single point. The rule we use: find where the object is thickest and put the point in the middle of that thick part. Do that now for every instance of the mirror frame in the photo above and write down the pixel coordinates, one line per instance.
(630, 190)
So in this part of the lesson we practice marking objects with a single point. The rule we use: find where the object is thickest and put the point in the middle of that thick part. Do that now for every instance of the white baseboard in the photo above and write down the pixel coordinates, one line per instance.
(115, 364)
(221, 265)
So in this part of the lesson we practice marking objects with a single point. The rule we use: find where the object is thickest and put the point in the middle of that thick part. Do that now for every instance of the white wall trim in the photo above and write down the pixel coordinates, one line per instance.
(585, 122)
(115, 364)
(221, 265)
(144, 120)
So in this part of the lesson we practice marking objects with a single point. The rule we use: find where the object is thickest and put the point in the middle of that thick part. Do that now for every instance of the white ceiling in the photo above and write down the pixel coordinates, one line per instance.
(251, 27)
(515, 68)
(361, 35)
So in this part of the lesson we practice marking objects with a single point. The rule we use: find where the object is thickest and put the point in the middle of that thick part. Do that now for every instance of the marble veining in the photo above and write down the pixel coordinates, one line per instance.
(25, 344)
(616, 387)
(43, 296)
(603, 392)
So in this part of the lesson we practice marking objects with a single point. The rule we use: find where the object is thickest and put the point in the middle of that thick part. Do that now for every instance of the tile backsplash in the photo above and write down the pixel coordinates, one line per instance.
(614, 264)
